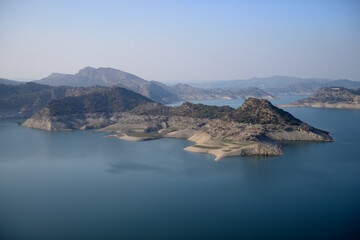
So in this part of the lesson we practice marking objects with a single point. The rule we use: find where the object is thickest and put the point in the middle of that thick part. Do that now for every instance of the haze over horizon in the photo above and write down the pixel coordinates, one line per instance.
(182, 41)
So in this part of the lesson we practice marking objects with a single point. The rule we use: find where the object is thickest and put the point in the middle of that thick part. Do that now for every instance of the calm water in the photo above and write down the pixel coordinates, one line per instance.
(81, 185)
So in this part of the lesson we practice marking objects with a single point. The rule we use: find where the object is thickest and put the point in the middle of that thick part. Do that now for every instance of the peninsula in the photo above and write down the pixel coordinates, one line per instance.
(331, 97)
(253, 129)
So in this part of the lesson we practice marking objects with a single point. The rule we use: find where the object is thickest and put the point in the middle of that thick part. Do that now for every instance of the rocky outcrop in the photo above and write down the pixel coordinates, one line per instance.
(253, 129)
(43, 120)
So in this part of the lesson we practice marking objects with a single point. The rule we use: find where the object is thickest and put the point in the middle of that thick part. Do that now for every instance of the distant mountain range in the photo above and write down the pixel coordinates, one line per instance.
(281, 85)
(10, 82)
(112, 77)
(188, 93)
(19, 99)
(162, 93)
(154, 90)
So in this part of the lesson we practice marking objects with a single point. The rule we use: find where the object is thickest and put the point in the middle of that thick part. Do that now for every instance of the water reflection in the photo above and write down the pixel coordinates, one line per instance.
(122, 167)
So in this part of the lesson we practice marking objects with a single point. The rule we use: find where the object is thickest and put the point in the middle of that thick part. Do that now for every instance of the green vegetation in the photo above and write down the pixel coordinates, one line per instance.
(62, 101)
(202, 111)
(255, 111)
(145, 134)
(238, 143)
(207, 147)
(109, 101)
(261, 111)
(185, 110)
(25, 99)
(231, 141)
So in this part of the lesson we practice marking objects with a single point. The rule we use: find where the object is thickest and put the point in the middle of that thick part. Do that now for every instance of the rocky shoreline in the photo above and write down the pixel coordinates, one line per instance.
(331, 97)
(221, 138)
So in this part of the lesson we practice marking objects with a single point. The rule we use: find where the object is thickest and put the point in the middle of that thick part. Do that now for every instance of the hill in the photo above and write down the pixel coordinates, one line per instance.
(331, 97)
(254, 111)
(25, 99)
(19, 101)
(103, 100)
(10, 82)
(112, 77)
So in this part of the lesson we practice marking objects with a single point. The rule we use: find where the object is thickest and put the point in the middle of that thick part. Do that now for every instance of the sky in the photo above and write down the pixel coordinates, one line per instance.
(182, 41)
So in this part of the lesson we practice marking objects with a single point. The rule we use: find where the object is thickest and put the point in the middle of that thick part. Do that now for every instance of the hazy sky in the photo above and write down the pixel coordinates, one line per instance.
(182, 40)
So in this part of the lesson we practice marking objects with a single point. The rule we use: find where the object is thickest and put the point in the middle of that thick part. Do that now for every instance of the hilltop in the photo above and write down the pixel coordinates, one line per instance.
(112, 77)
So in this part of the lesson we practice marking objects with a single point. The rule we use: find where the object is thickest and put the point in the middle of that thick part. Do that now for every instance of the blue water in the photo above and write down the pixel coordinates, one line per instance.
(81, 185)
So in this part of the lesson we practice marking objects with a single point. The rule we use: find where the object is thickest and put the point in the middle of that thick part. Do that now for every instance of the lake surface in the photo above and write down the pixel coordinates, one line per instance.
(81, 185)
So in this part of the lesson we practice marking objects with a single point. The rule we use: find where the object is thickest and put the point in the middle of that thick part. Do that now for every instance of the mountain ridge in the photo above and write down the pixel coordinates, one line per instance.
(155, 90)
(10, 82)
(281, 85)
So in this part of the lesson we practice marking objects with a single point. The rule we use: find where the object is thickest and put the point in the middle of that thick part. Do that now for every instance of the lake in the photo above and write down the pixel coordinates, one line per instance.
(81, 185)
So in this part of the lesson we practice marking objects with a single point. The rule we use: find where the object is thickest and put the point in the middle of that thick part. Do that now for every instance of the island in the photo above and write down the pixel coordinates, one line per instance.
(331, 97)
(255, 128)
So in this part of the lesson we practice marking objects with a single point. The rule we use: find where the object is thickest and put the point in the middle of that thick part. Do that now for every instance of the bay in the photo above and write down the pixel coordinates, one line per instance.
(81, 185)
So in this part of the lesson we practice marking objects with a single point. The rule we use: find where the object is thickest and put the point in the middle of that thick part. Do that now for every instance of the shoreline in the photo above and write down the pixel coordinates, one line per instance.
(252, 129)
(130, 138)
(204, 144)
(322, 105)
